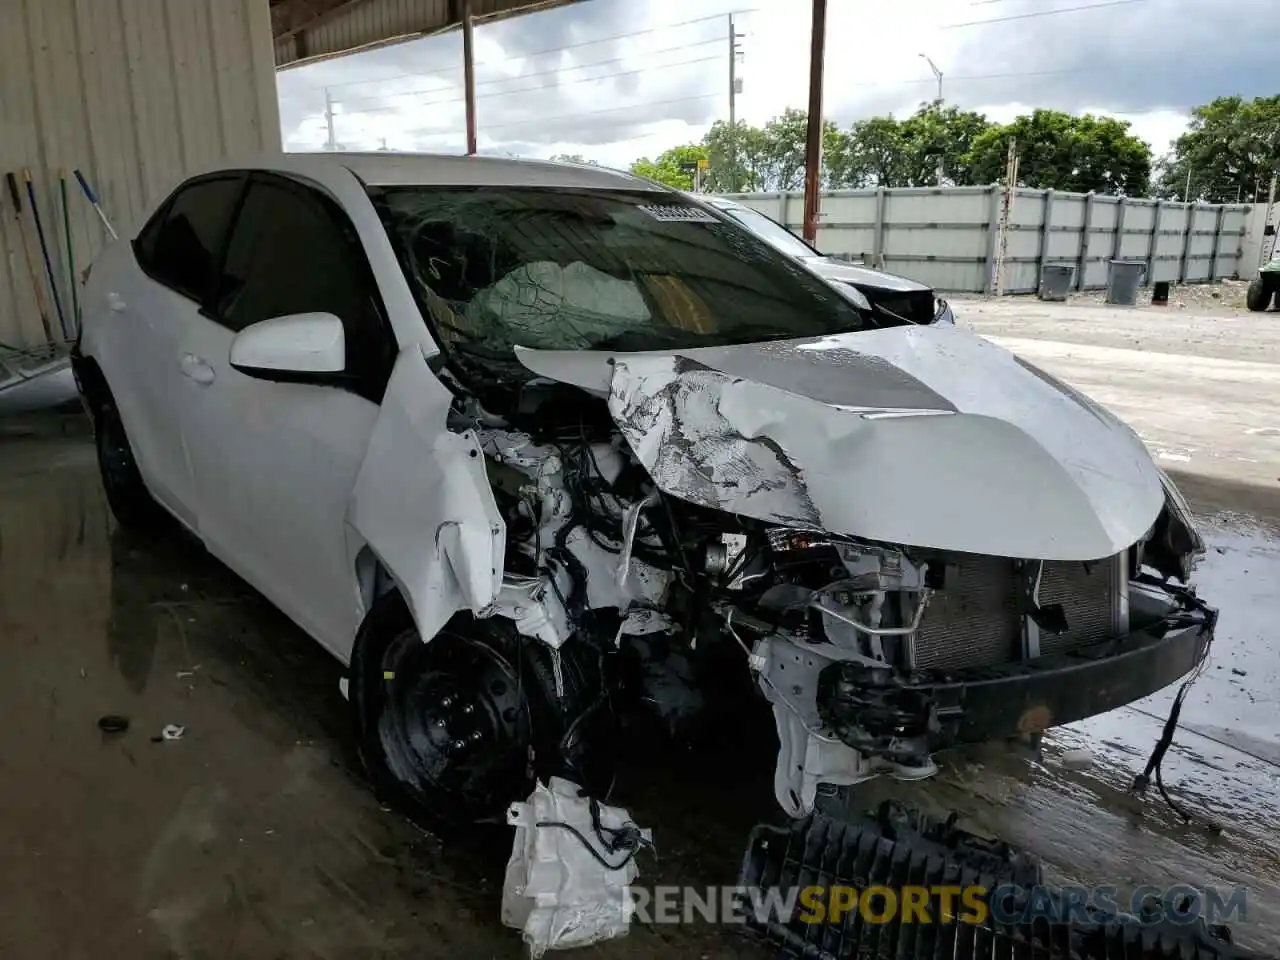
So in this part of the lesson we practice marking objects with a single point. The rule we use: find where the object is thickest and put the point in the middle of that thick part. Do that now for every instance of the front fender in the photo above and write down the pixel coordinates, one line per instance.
(423, 504)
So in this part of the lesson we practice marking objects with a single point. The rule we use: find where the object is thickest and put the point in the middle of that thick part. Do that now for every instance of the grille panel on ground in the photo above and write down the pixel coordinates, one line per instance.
(896, 852)
(974, 621)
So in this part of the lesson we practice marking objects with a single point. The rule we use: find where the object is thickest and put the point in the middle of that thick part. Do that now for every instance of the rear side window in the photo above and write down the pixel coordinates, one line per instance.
(180, 248)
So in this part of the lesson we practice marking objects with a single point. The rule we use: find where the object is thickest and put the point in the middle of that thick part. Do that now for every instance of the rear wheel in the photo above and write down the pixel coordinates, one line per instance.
(127, 495)
(1258, 296)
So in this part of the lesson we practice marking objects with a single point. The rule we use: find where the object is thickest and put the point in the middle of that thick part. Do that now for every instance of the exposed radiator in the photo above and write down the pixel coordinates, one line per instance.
(974, 620)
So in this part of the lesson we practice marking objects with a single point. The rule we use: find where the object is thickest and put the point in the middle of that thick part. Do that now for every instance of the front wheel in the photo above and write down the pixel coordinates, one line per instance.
(444, 727)
(1258, 296)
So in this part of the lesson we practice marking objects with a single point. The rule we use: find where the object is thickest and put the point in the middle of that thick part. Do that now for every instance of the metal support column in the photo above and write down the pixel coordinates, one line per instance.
(469, 75)
(813, 142)
(1086, 234)
(1046, 228)
(1153, 250)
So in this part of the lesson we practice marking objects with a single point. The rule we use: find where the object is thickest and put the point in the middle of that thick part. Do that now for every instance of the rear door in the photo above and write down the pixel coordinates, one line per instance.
(151, 300)
(275, 462)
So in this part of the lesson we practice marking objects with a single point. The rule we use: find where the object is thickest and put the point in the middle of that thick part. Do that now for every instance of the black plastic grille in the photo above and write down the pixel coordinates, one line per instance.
(828, 852)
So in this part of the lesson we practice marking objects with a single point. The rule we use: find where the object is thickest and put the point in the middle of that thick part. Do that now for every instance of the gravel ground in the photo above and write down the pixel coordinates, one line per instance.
(1224, 295)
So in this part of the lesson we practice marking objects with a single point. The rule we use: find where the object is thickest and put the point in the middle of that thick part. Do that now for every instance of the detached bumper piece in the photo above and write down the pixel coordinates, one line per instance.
(898, 849)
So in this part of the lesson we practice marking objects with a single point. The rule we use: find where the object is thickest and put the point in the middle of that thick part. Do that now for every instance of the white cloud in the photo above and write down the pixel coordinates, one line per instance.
(617, 79)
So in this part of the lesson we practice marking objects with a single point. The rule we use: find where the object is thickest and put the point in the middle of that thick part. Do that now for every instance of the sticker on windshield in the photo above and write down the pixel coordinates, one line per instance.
(675, 212)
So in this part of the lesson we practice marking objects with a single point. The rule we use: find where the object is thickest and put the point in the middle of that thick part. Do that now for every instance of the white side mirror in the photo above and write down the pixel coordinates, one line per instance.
(301, 343)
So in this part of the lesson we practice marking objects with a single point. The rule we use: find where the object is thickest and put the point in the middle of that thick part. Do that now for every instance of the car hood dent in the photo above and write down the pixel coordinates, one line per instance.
(925, 436)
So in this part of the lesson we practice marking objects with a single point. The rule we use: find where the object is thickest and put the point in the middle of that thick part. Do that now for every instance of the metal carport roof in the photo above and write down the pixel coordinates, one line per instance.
(308, 30)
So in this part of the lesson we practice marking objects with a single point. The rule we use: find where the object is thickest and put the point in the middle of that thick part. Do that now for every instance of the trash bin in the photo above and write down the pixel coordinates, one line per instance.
(1123, 280)
(1055, 281)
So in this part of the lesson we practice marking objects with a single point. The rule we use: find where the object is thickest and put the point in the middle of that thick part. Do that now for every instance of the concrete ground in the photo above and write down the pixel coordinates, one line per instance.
(254, 836)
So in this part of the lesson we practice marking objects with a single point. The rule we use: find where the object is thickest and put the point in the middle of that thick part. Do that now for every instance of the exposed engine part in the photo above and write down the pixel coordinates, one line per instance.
(897, 847)
(851, 642)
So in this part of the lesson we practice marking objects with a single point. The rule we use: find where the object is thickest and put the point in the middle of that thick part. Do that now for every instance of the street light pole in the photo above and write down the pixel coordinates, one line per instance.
(938, 74)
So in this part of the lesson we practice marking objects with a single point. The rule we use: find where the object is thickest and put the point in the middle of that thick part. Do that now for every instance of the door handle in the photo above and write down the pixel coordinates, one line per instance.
(115, 303)
(197, 369)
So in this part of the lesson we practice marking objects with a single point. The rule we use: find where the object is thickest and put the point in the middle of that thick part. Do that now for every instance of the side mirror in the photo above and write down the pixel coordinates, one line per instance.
(297, 347)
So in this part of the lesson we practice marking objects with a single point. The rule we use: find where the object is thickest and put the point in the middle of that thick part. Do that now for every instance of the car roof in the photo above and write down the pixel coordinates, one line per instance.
(406, 169)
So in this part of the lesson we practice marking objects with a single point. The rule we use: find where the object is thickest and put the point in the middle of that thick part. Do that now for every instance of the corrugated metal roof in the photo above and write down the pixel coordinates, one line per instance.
(135, 93)
(327, 28)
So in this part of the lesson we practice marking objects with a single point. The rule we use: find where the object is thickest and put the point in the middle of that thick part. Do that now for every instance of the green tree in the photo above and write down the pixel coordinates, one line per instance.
(1062, 152)
(737, 158)
(873, 154)
(936, 133)
(784, 140)
(1230, 151)
(667, 168)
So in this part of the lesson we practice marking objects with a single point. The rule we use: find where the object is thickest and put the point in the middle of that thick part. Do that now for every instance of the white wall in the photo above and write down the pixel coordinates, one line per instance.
(135, 93)
(947, 237)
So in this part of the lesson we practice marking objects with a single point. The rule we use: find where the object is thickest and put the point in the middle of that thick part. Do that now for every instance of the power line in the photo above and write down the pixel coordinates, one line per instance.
(979, 76)
(542, 73)
(575, 116)
(539, 53)
(505, 93)
(1040, 13)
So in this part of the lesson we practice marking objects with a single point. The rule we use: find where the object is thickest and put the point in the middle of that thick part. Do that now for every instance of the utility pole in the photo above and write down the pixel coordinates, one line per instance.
(938, 75)
(1186, 197)
(332, 143)
(813, 139)
(735, 86)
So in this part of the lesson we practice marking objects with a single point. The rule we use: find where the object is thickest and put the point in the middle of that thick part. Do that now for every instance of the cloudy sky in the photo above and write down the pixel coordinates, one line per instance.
(617, 79)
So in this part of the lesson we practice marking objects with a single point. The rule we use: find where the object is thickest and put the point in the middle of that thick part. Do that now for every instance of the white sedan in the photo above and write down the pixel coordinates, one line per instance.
(529, 445)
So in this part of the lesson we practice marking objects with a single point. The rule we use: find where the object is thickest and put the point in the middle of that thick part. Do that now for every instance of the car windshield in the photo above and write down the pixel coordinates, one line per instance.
(771, 232)
(500, 267)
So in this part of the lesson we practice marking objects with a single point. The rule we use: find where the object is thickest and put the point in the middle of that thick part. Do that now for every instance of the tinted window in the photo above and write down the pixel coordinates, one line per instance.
(291, 252)
(595, 269)
(181, 248)
(771, 232)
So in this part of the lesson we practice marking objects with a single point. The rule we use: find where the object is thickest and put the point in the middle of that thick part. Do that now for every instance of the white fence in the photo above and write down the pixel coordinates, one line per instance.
(948, 236)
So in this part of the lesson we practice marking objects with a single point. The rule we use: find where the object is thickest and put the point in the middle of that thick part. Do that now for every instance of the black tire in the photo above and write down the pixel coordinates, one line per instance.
(127, 495)
(398, 686)
(453, 730)
(1258, 296)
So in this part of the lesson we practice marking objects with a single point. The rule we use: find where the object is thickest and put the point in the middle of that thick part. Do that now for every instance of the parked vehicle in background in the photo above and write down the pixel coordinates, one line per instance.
(528, 445)
(884, 293)
(1265, 287)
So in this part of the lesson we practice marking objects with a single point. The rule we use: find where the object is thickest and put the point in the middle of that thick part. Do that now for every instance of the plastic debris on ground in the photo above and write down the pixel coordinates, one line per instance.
(571, 863)
(172, 731)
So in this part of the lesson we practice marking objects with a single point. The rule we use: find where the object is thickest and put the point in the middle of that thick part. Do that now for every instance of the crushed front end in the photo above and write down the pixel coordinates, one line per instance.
(874, 657)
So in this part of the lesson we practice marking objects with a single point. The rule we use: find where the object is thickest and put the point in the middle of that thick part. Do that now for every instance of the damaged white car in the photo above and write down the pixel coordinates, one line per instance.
(529, 446)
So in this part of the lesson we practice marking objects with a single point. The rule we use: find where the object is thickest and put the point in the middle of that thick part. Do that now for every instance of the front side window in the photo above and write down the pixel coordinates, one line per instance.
(180, 249)
(291, 254)
(771, 232)
(494, 268)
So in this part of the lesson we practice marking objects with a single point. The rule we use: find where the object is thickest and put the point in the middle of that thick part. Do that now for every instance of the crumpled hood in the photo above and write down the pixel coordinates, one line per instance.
(924, 436)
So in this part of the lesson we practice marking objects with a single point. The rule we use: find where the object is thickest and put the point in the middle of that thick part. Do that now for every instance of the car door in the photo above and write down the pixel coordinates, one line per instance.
(151, 301)
(274, 462)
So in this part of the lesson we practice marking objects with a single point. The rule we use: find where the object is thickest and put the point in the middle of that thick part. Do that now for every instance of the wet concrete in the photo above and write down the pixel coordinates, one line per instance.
(255, 836)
